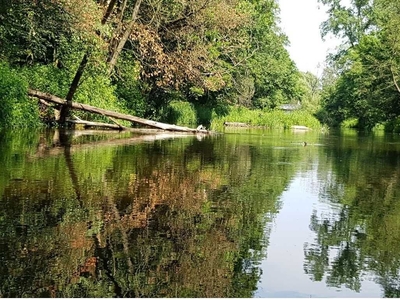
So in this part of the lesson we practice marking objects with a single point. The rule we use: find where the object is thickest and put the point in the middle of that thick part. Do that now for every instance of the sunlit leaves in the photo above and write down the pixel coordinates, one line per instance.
(368, 65)
(33, 29)
(348, 22)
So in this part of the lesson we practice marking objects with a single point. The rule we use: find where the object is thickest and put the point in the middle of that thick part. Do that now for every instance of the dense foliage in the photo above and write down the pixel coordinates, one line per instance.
(15, 107)
(362, 80)
(147, 53)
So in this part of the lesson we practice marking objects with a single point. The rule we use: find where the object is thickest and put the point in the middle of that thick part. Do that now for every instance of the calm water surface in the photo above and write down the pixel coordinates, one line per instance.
(250, 213)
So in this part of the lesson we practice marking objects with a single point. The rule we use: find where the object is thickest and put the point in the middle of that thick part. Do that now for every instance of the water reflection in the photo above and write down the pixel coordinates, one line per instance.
(174, 218)
(362, 236)
(226, 216)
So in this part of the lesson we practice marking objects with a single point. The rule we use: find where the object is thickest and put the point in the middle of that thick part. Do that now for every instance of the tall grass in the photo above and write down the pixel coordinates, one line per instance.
(274, 119)
(184, 113)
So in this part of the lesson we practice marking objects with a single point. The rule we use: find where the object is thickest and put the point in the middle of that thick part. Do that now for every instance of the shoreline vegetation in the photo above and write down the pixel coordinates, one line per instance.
(180, 62)
(271, 119)
(29, 108)
(25, 111)
(193, 63)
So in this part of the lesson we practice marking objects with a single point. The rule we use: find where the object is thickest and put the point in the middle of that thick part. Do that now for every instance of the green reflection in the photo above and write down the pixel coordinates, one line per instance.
(100, 216)
(361, 234)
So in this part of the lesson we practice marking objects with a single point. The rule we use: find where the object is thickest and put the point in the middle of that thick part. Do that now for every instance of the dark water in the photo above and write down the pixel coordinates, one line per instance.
(244, 214)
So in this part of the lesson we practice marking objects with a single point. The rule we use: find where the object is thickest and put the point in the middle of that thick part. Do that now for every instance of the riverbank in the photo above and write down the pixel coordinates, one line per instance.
(18, 110)
(273, 119)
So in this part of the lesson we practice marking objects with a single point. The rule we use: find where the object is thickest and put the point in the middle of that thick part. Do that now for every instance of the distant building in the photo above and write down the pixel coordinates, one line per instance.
(290, 107)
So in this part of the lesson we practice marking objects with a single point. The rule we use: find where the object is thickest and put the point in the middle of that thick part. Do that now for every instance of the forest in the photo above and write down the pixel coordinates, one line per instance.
(196, 62)
(180, 61)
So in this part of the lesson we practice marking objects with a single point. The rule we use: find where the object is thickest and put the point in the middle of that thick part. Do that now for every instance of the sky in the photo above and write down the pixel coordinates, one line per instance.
(300, 20)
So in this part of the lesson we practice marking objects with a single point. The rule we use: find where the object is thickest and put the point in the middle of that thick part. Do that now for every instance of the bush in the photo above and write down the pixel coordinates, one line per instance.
(128, 86)
(349, 123)
(16, 109)
(393, 126)
(204, 114)
(94, 89)
(47, 78)
(180, 113)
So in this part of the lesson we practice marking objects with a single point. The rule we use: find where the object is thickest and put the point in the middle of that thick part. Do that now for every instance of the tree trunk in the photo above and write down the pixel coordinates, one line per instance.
(113, 56)
(75, 82)
(394, 80)
(109, 113)
(64, 113)
(108, 12)
(96, 124)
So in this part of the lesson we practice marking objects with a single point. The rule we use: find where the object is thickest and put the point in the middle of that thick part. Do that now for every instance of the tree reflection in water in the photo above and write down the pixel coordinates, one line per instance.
(107, 217)
(363, 235)
(182, 218)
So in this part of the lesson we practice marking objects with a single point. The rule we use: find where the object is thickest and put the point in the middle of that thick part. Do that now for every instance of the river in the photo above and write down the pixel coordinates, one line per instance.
(249, 213)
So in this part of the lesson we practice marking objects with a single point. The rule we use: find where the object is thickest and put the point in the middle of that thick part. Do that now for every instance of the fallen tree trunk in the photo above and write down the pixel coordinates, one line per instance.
(117, 127)
(96, 124)
(109, 113)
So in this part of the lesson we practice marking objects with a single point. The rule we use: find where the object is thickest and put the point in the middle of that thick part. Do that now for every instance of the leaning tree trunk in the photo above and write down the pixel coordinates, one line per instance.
(113, 56)
(113, 114)
(64, 113)
(65, 109)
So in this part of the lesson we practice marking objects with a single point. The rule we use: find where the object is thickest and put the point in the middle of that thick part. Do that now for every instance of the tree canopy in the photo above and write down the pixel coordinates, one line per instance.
(367, 65)
(149, 52)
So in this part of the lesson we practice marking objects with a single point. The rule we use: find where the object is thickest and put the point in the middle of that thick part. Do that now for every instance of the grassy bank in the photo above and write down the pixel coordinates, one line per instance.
(187, 114)
(16, 110)
(274, 119)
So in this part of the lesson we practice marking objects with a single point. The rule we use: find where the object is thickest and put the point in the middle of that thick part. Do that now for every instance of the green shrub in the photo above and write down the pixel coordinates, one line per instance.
(94, 89)
(349, 123)
(47, 78)
(128, 86)
(393, 126)
(180, 113)
(379, 127)
(204, 114)
(16, 109)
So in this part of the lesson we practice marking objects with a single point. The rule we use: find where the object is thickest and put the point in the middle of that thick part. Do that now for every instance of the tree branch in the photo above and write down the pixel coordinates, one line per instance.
(181, 20)
(394, 79)
(112, 59)
(108, 12)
